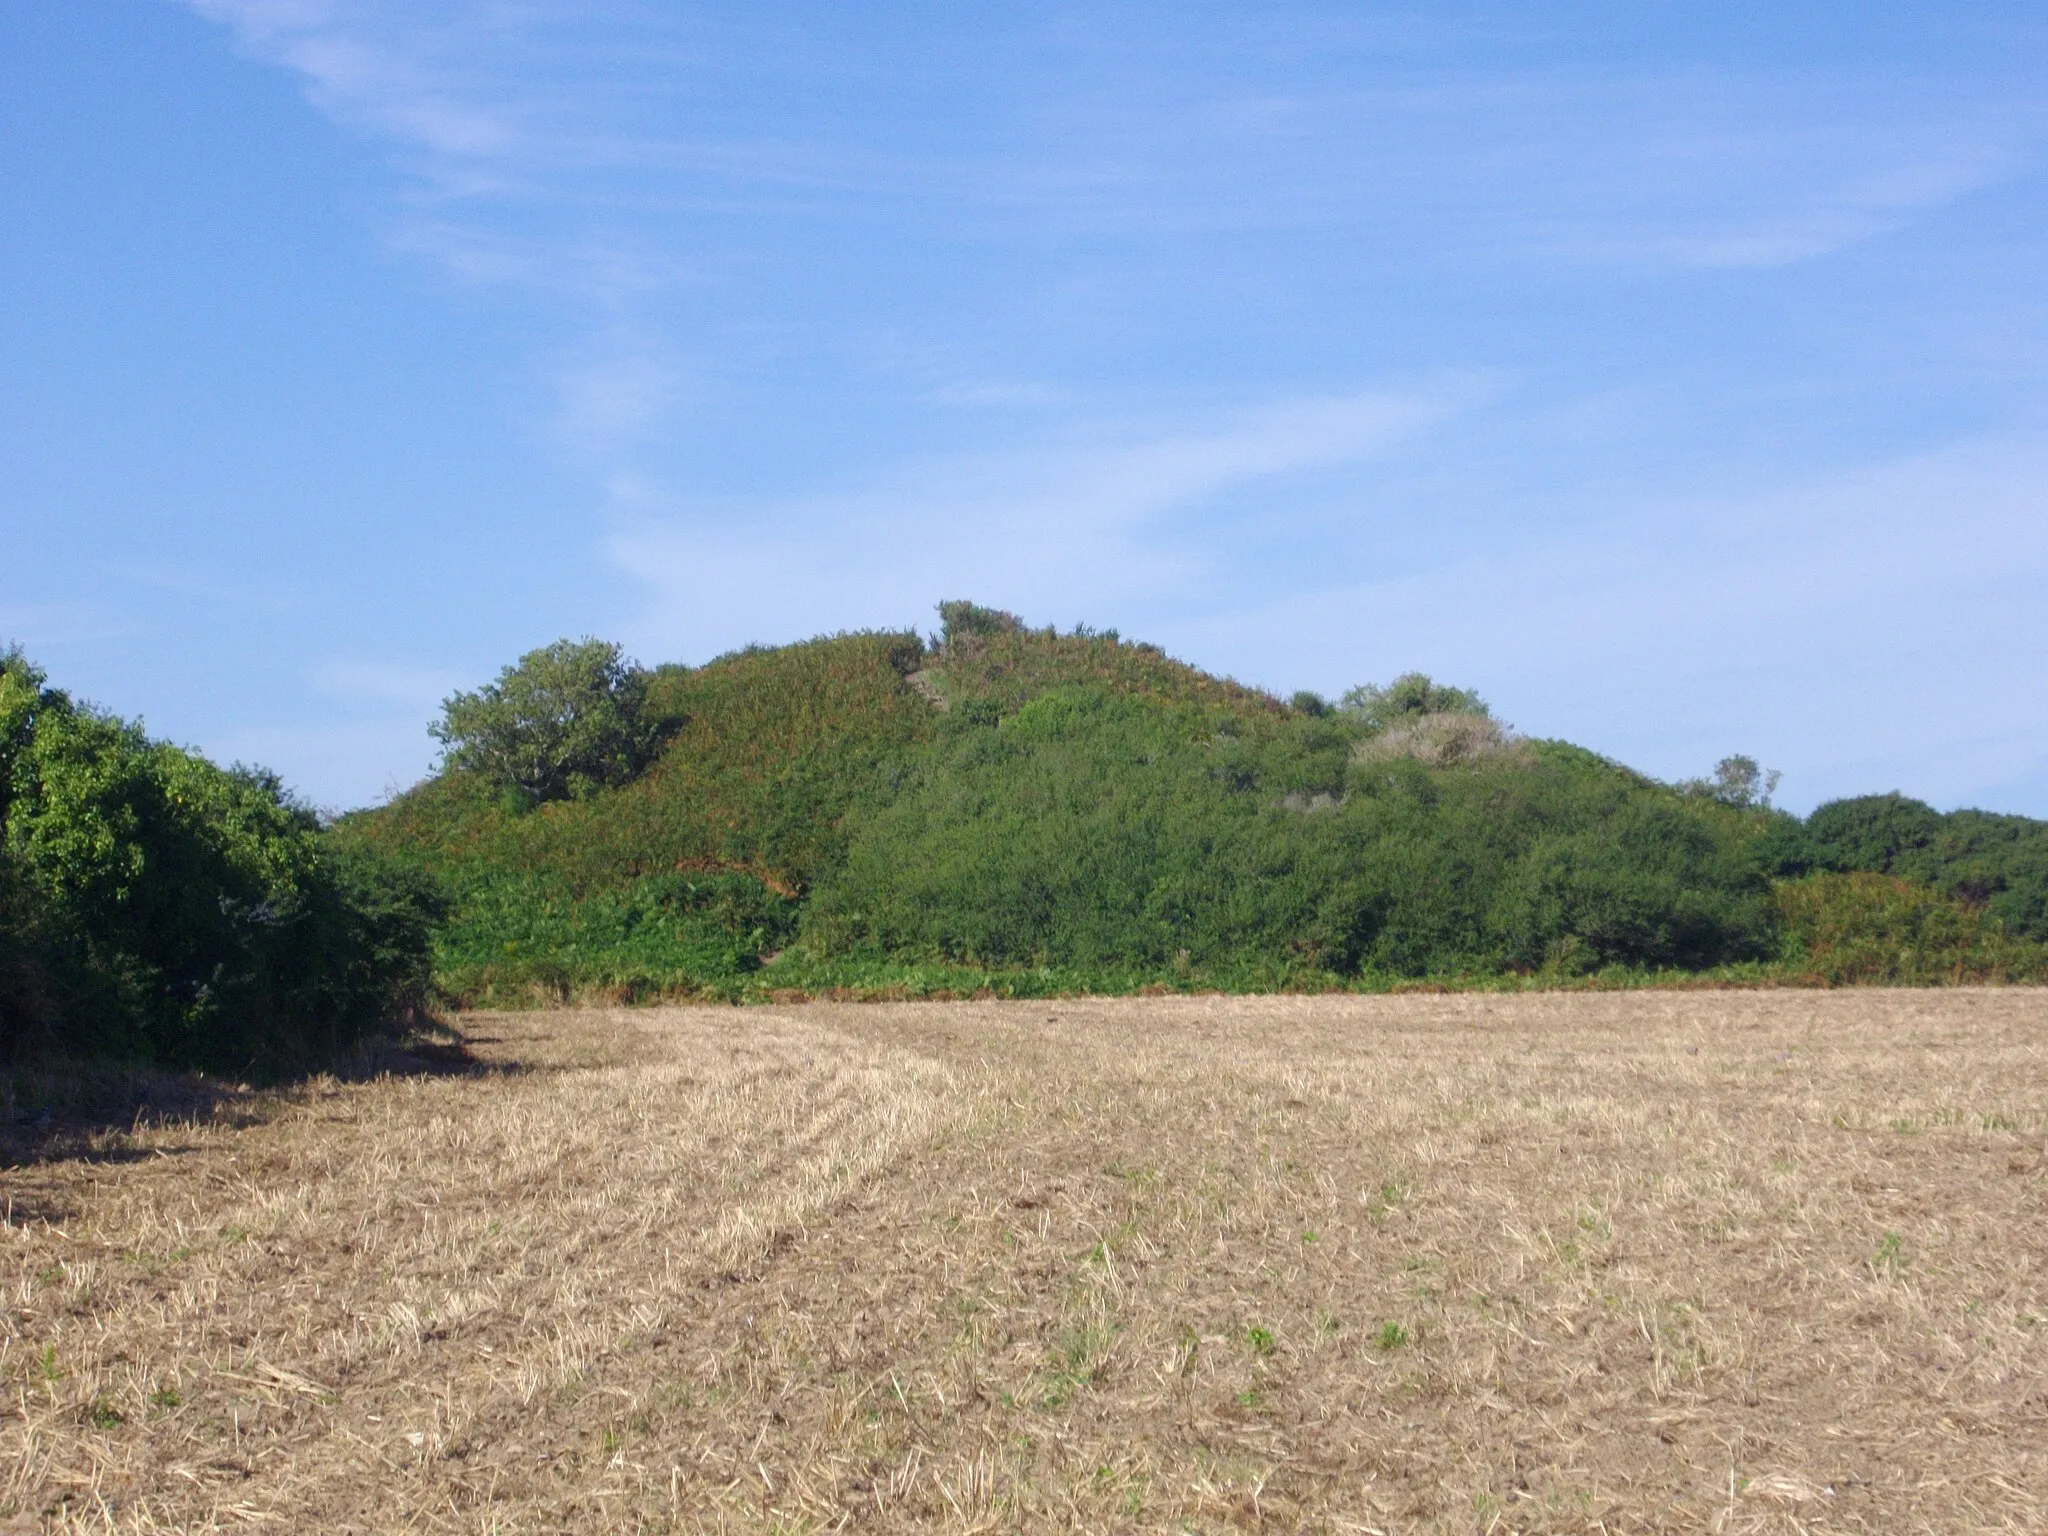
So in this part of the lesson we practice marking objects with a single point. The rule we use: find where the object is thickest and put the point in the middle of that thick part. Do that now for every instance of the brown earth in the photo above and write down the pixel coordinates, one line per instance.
(1650, 1262)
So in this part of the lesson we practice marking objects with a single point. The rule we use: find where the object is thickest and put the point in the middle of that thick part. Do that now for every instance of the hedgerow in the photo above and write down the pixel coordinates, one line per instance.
(160, 908)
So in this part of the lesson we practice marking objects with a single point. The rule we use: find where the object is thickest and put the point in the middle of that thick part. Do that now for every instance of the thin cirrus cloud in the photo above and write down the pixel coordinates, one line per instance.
(1872, 628)
(1046, 531)
(501, 116)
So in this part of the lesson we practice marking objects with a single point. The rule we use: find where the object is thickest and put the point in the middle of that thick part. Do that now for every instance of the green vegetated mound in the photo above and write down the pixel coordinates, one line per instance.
(678, 881)
(1033, 812)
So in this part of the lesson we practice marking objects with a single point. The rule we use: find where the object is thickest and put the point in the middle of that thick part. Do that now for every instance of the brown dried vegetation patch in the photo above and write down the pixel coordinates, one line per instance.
(1702, 1261)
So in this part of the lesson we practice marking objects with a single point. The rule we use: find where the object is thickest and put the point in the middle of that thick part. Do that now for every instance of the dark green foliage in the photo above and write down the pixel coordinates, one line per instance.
(564, 721)
(1029, 812)
(1090, 829)
(1999, 863)
(1872, 832)
(160, 908)
(520, 938)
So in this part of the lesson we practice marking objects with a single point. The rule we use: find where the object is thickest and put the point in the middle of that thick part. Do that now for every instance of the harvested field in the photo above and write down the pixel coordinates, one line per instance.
(1695, 1261)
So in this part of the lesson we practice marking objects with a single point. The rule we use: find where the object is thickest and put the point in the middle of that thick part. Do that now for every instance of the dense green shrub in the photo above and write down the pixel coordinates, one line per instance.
(1872, 928)
(520, 938)
(565, 720)
(1407, 697)
(1872, 832)
(1090, 829)
(162, 908)
(1999, 863)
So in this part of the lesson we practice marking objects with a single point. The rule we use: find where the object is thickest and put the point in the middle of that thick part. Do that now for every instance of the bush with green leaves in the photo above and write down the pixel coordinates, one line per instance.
(1870, 928)
(1083, 811)
(533, 937)
(1998, 863)
(961, 620)
(1413, 694)
(1089, 829)
(162, 908)
(562, 722)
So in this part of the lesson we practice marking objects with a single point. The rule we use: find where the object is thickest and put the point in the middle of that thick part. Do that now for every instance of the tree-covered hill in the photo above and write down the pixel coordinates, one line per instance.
(1031, 811)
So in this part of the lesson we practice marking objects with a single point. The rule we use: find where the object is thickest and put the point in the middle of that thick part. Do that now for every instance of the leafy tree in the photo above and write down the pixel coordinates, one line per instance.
(565, 720)
(1407, 697)
(1103, 832)
(1873, 832)
(1737, 781)
(1997, 862)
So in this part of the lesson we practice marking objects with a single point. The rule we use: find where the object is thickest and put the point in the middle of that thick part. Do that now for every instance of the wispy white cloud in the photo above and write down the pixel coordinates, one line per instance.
(1863, 630)
(614, 121)
(1050, 532)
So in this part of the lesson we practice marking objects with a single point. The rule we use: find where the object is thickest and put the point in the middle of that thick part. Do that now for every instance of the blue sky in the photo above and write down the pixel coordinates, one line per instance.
(1676, 376)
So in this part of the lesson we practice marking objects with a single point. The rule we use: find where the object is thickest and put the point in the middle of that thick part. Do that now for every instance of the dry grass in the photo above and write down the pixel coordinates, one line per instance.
(1692, 1262)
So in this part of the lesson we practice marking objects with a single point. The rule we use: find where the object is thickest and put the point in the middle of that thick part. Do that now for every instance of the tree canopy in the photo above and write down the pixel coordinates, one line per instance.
(562, 722)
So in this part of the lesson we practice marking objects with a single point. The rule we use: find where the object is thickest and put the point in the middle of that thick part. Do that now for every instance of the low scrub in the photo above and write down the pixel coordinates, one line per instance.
(530, 939)
(1868, 928)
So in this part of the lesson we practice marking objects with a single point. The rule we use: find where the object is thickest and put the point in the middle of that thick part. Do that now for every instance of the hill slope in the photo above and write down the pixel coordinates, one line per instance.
(1036, 811)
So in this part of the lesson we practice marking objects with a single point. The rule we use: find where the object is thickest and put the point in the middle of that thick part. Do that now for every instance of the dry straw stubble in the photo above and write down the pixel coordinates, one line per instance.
(1733, 1261)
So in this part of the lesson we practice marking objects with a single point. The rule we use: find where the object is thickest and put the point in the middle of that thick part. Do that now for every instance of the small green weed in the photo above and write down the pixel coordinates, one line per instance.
(1391, 1336)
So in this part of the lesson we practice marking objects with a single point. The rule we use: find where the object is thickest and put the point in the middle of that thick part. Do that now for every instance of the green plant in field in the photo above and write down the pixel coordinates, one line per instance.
(1260, 1340)
(166, 1397)
(1079, 1357)
(1391, 1336)
(1889, 1261)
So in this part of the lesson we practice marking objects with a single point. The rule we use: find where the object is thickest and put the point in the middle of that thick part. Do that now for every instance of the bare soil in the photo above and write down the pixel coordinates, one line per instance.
(1740, 1261)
